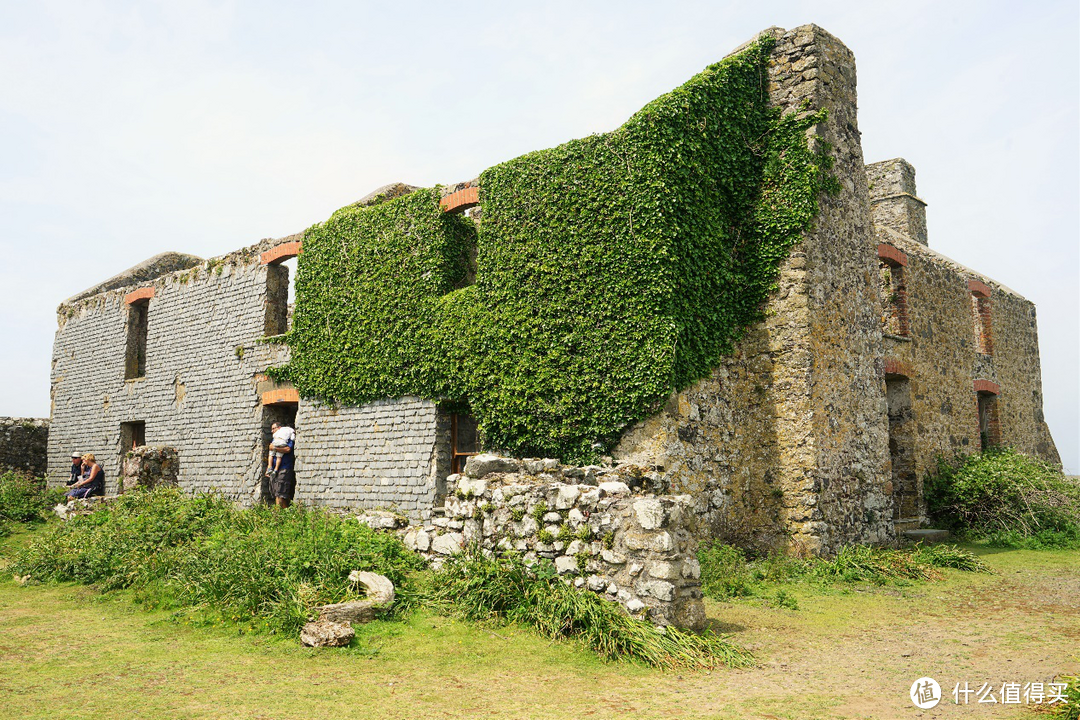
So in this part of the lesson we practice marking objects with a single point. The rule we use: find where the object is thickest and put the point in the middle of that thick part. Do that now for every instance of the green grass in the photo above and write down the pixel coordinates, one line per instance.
(727, 572)
(507, 591)
(24, 499)
(67, 651)
(264, 569)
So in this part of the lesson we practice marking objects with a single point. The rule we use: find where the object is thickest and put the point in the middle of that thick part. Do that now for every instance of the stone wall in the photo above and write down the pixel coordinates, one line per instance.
(786, 442)
(24, 445)
(942, 360)
(380, 455)
(601, 527)
(202, 394)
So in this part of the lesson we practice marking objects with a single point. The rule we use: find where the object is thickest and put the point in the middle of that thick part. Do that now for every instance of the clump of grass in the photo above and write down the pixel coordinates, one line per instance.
(204, 556)
(25, 499)
(727, 572)
(480, 589)
(1005, 498)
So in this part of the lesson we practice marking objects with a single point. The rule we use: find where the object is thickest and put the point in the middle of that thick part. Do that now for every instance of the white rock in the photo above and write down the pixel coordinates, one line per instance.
(477, 466)
(663, 543)
(612, 589)
(423, 540)
(448, 544)
(575, 547)
(565, 564)
(650, 513)
(636, 568)
(635, 605)
(472, 487)
(614, 487)
(575, 517)
(691, 568)
(579, 581)
(613, 558)
(567, 496)
(664, 570)
(596, 583)
(659, 589)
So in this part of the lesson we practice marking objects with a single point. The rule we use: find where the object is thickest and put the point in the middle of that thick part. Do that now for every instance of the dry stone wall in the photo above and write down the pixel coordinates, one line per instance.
(601, 527)
(24, 445)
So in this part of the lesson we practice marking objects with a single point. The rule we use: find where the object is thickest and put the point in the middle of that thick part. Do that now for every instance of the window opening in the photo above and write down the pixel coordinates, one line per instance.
(980, 308)
(464, 441)
(894, 310)
(135, 353)
(906, 495)
(279, 290)
(132, 435)
(989, 427)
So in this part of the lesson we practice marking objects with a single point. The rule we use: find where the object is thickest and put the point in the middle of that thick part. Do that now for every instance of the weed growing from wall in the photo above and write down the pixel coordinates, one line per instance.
(611, 270)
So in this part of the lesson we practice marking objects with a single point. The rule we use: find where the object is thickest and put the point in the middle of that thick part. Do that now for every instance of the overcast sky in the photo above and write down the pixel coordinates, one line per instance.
(132, 128)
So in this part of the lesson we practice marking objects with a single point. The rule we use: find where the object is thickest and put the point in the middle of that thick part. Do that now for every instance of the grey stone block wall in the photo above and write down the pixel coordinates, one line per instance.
(23, 444)
(379, 455)
(202, 395)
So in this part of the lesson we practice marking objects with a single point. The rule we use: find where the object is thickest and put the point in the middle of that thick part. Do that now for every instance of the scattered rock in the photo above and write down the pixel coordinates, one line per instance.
(326, 633)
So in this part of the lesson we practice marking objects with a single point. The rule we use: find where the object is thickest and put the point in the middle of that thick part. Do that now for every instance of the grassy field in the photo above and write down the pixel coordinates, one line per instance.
(848, 652)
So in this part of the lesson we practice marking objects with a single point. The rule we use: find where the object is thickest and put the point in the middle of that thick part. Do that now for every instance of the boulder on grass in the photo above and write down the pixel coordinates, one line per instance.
(324, 633)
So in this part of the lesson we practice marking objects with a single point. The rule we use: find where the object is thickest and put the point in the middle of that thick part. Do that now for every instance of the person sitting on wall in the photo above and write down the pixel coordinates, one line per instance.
(92, 481)
(76, 469)
(283, 482)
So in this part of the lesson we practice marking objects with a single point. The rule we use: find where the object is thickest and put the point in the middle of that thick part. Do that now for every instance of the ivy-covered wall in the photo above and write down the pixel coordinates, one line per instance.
(610, 270)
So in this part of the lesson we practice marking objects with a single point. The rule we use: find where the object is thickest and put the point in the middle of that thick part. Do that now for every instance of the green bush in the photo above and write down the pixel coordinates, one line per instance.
(24, 498)
(480, 589)
(1005, 498)
(263, 566)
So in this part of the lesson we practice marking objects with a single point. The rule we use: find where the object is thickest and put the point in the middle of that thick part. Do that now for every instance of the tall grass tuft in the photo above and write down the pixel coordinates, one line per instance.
(1007, 499)
(24, 498)
(481, 589)
(727, 572)
(263, 566)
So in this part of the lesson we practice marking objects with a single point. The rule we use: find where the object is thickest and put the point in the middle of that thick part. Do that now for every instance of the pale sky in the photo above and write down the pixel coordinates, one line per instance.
(132, 128)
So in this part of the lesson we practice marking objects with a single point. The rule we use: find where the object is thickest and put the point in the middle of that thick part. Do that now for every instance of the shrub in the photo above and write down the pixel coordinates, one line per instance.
(1006, 498)
(24, 498)
(202, 553)
(481, 589)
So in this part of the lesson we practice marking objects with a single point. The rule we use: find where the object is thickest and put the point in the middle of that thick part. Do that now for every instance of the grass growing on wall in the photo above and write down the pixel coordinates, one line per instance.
(611, 270)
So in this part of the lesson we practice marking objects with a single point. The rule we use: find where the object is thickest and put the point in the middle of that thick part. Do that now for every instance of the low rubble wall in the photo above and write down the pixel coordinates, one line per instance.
(605, 529)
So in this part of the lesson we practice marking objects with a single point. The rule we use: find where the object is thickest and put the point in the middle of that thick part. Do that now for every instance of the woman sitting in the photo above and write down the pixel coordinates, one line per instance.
(92, 482)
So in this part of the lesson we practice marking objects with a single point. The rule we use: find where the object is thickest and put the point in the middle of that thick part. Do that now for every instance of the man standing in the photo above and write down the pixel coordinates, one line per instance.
(283, 482)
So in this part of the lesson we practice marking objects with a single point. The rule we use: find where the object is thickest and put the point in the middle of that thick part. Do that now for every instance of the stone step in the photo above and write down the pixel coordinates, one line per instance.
(927, 535)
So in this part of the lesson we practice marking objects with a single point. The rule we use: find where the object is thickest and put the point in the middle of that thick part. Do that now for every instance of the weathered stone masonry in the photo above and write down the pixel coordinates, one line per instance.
(24, 444)
(876, 355)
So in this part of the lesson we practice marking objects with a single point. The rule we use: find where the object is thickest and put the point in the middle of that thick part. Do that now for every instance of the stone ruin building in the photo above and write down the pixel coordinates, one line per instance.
(876, 356)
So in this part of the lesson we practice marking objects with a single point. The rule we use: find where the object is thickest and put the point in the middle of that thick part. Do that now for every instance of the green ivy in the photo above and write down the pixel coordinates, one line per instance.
(610, 271)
